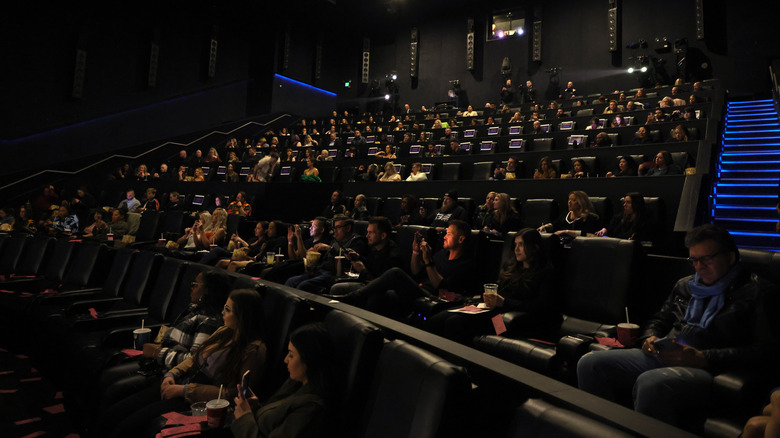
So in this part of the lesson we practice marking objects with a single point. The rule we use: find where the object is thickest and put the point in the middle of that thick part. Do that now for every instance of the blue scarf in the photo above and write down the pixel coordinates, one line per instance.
(700, 314)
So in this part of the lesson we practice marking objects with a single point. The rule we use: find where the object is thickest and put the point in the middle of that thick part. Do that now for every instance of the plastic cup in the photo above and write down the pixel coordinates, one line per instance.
(161, 242)
(627, 333)
(212, 246)
(110, 237)
(279, 258)
(270, 257)
(340, 265)
(141, 336)
(491, 289)
(198, 409)
(216, 411)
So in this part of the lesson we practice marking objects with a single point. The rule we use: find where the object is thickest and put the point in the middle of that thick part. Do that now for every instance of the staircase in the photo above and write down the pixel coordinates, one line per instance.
(744, 195)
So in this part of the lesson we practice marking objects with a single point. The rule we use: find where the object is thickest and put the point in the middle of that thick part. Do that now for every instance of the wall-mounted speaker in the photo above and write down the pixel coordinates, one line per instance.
(414, 56)
(318, 59)
(536, 49)
(286, 47)
(364, 73)
(699, 19)
(154, 61)
(79, 74)
(470, 42)
(612, 28)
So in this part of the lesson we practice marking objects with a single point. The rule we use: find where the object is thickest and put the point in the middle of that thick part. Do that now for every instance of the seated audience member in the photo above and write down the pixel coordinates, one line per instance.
(199, 175)
(504, 218)
(713, 322)
(595, 123)
(525, 284)
(366, 173)
(118, 226)
(545, 170)
(470, 112)
(264, 169)
(387, 153)
(602, 140)
(680, 133)
(689, 114)
(231, 176)
(454, 149)
(389, 175)
(311, 173)
(449, 210)
(766, 425)
(631, 224)
(98, 225)
(323, 156)
(430, 151)
(579, 169)
(251, 156)
(640, 94)
(580, 220)
(537, 127)
(359, 210)
(450, 269)
(657, 116)
(335, 207)
(162, 173)
(664, 165)
(64, 223)
(382, 256)
(192, 237)
(510, 171)
(641, 136)
(358, 141)
(212, 156)
(417, 174)
(191, 328)
(124, 173)
(318, 233)
(196, 159)
(298, 408)
(320, 279)
(516, 118)
(569, 92)
(221, 360)
(627, 167)
(618, 122)
(409, 214)
(142, 173)
(241, 252)
(633, 106)
(150, 203)
(612, 108)
(174, 202)
(181, 174)
(483, 211)
(240, 206)
(288, 156)
(130, 203)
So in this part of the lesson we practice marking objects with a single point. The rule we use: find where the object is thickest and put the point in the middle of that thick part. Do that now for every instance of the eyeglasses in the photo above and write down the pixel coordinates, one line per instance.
(706, 260)
(340, 226)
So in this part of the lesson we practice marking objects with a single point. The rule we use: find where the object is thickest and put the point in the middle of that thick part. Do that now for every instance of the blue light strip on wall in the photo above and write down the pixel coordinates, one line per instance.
(742, 207)
(302, 84)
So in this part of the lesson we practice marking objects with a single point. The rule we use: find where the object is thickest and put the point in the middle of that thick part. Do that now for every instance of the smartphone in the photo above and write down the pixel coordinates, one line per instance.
(417, 237)
(245, 384)
(353, 256)
(664, 344)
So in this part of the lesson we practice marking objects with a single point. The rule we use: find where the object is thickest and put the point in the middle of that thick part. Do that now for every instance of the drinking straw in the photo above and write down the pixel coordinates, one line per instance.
(627, 321)
(219, 396)
(142, 324)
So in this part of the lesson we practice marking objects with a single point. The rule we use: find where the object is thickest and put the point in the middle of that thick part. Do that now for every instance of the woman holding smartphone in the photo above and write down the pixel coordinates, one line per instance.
(298, 407)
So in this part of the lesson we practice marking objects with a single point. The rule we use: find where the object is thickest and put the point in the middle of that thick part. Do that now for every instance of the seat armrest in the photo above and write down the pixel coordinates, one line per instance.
(97, 304)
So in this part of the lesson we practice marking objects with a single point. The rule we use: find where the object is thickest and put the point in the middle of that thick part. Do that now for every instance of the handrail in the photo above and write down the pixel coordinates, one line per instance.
(133, 157)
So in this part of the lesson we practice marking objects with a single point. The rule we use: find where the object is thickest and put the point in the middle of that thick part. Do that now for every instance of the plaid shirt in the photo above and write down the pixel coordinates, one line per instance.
(186, 335)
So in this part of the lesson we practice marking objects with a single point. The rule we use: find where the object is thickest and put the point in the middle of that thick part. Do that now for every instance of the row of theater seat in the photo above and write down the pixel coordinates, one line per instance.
(391, 388)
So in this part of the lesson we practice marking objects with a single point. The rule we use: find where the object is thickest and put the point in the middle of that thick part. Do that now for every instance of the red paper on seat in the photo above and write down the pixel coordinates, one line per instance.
(498, 323)
(56, 409)
(180, 430)
(132, 353)
(609, 342)
(93, 312)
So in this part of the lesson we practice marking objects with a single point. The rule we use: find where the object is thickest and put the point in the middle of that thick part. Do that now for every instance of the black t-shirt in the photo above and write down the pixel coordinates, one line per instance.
(440, 219)
(458, 275)
(377, 262)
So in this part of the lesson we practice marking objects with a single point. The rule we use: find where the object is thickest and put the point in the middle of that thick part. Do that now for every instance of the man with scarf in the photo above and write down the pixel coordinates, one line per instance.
(713, 321)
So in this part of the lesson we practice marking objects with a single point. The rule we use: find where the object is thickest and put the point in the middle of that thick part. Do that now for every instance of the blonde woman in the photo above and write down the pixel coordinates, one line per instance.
(215, 231)
(504, 217)
(199, 175)
(580, 220)
(389, 175)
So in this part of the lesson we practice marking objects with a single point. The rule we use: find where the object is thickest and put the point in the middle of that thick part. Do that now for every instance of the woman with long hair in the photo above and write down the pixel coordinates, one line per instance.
(484, 210)
(631, 224)
(230, 174)
(298, 408)
(216, 229)
(525, 284)
(504, 217)
(545, 170)
(580, 219)
(221, 360)
(389, 175)
(627, 167)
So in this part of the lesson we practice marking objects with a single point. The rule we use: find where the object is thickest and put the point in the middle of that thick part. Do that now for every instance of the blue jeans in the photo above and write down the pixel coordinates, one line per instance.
(319, 283)
(669, 394)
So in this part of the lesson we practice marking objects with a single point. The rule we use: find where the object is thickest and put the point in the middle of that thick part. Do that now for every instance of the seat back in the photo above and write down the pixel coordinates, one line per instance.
(415, 393)
(174, 222)
(82, 271)
(123, 259)
(161, 296)
(404, 238)
(358, 344)
(537, 418)
(12, 251)
(603, 207)
(449, 172)
(58, 262)
(482, 170)
(599, 277)
(392, 209)
(284, 311)
(233, 221)
(148, 226)
(181, 296)
(373, 204)
(328, 174)
(141, 274)
(543, 144)
(347, 174)
(35, 251)
(591, 164)
(535, 212)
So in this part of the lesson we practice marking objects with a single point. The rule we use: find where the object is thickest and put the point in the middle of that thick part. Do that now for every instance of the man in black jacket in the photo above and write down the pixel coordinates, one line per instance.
(713, 321)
